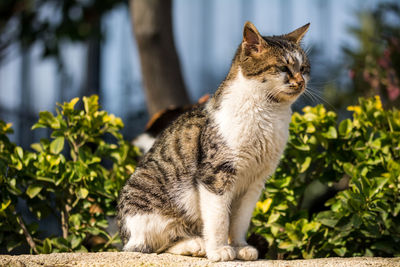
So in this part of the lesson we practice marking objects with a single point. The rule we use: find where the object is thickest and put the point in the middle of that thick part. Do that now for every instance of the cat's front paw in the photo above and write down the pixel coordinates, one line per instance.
(225, 253)
(246, 253)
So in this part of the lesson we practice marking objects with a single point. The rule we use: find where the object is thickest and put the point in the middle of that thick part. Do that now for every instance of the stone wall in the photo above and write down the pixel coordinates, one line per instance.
(137, 259)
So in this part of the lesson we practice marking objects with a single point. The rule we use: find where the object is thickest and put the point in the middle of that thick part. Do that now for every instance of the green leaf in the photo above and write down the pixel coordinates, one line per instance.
(75, 220)
(71, 104)
(37, 147)
(356, 220)
(75, 241)
(102, 223)
(47, 118)
(327, 218)
(47, 247)
(57, 145)
(340, 251)
(20, 152)
(331, 133)
(45, 179)
(82, 192)
(5, 204)
(273, 217)
(264, 206)
(376, 144)
(345, 127)
(12, 244)
(60, 243)
(380, 183)
(305, 164)
(300, 146)
(310, 227)
(310, 128)
(38, 125)
(33, 190)
(348, 168)
(91, 104)
(286, 245)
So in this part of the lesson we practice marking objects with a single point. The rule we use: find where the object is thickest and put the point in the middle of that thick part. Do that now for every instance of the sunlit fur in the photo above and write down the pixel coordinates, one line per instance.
(194, 192)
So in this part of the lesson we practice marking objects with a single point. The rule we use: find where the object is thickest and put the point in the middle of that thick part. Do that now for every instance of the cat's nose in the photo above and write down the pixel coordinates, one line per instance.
(297, 81)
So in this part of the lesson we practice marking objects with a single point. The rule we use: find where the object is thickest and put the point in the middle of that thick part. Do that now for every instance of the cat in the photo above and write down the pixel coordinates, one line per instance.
(194, 192)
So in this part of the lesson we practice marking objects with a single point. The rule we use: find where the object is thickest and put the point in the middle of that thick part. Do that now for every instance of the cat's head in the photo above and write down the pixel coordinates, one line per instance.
(277, 64)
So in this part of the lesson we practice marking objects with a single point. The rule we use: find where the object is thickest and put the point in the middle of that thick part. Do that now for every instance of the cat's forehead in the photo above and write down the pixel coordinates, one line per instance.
(293, 57)
(285, 51)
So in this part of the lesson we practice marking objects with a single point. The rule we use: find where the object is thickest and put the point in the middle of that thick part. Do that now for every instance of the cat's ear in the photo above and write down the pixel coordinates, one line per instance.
(298, 34)
(252, 40)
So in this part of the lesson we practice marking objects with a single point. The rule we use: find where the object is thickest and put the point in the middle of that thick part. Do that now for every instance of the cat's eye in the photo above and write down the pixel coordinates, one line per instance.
(284, 69)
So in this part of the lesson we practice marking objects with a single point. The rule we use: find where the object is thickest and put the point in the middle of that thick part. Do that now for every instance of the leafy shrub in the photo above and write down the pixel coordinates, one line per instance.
(362, 153)
(66, 177)
(11, 232)
(358, 158)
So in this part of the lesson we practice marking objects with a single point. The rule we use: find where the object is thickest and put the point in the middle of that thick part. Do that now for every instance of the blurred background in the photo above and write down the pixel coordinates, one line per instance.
(179, 50)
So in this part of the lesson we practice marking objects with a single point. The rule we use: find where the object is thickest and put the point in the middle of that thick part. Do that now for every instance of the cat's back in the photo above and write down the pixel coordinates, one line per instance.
(177, 146)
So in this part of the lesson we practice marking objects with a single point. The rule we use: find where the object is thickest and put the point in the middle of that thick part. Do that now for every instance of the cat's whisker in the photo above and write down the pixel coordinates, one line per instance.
(322, 99)
(310, 96)
(308, 50)
(274, 92)
(323, 83)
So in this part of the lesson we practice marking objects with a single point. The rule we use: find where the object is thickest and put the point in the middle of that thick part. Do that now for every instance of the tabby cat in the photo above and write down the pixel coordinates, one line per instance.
(194, 192)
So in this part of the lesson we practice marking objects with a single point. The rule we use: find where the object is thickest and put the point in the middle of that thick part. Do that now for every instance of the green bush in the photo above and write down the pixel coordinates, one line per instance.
(65, 176)
(364, 154)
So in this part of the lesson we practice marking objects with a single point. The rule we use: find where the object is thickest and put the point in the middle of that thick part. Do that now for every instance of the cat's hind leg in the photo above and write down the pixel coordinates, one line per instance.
(147, 232)
(193, 246)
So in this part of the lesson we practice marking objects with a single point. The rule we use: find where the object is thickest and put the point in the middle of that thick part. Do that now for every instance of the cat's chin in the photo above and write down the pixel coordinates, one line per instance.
(289, 96)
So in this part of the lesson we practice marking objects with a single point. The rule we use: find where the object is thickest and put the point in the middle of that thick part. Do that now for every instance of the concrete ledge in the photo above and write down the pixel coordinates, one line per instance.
(121, 259)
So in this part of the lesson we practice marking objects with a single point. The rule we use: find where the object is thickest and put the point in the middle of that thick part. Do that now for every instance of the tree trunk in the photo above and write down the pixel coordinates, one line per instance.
(24, 122)
(92, 82)
(161, 73)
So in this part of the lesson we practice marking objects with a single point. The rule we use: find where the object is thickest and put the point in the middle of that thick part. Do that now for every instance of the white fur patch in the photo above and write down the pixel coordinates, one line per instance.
(189, 201)
(144, 142)
(150, 229)
(299, 57)
(254, 128)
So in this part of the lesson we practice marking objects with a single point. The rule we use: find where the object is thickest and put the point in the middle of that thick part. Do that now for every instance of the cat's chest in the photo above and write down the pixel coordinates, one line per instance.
(256, 135)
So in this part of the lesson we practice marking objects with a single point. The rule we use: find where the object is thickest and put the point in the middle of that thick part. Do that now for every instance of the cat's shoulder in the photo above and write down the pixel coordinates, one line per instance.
(196, 114)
